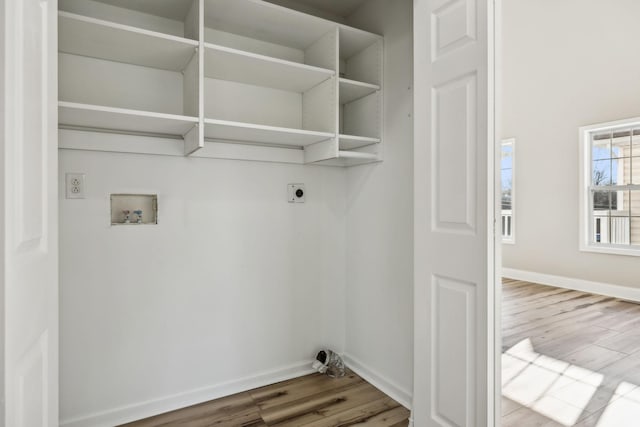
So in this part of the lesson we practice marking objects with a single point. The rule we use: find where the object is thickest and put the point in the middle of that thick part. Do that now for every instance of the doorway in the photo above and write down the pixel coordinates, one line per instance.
(569, 313)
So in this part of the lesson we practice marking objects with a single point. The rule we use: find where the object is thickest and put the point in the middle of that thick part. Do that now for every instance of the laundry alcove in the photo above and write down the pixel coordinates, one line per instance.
(214, 107)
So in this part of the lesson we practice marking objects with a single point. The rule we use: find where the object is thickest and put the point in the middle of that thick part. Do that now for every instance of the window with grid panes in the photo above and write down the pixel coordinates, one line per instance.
(611, 180)
(507, 196)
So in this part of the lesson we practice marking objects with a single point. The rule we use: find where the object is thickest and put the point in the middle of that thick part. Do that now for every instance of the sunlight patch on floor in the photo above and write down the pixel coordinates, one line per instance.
(623, 411)
(556, 389)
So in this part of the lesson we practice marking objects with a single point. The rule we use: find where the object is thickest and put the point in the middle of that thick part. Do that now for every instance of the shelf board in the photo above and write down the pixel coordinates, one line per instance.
(357, 155)
(85, 36)
(224, 63)
(350, 158)
(351, 90)
(224, 130)
(349, 142)
(73, 114)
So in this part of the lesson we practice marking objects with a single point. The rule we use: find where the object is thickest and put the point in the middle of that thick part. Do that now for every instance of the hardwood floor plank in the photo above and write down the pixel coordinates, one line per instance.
(282, 393)
(236, 410)
(579, 340)
(548, 332)
(625, 342)
(319, 406)
(554, 294)
(539, 321)
(384, 411)
(620, 314)
(594, 357)
(387, 419)
(573, 306)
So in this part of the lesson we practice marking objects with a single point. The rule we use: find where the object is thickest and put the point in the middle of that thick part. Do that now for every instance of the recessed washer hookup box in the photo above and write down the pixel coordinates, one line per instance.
(134, 209)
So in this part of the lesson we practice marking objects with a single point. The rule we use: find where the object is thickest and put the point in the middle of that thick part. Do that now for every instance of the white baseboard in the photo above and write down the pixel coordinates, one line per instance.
(150, 408)
(391, 389)
(607, 289)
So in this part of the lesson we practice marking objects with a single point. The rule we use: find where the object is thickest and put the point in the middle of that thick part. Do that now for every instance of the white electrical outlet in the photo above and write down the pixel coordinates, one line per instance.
(296, 193)
(75, 183)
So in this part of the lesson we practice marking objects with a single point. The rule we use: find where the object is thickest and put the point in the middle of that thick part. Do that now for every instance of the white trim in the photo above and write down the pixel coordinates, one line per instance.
(609, 249)
(610, 125)
(607, 289)
(383, 384)
(584, 178)
(141, 410)
(496, 312)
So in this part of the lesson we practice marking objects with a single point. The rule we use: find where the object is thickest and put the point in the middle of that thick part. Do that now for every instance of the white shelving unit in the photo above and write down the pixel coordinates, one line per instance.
(232, 73)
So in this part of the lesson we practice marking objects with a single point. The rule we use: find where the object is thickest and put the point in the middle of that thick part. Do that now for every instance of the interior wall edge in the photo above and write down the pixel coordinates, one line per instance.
(388, 387)
(141, 410)
(600, 288)
(379, 328)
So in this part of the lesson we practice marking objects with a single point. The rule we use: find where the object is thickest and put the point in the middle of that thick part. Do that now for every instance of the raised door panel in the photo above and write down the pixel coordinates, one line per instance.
(454, 161)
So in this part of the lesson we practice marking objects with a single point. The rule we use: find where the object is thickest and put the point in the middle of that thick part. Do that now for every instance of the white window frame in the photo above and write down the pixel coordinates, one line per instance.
(511, 239)
(585, 217)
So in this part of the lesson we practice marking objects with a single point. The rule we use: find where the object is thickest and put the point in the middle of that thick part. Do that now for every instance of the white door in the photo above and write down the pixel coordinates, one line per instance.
(454, 218)
(29, 212)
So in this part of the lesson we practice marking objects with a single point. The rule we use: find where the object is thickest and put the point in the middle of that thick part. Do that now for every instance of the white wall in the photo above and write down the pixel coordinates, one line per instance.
(380, 217)
(566, 64)
(232, 282)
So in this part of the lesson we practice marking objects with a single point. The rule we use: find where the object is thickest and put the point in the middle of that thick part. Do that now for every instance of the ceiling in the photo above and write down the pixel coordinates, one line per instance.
(341, 8)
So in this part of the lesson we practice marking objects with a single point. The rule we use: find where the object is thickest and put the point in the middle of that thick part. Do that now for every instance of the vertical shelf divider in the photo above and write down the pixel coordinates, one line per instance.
(194, 80)
(361, 121)
(325, 52)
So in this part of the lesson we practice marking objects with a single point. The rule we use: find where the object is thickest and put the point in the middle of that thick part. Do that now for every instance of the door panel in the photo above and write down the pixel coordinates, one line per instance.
(454, 350)
(454, 213)
(29, 201)
(454, 140)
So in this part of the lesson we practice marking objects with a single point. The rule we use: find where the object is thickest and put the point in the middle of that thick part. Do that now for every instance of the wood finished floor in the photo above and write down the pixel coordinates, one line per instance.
(313, 400)
(569, 358)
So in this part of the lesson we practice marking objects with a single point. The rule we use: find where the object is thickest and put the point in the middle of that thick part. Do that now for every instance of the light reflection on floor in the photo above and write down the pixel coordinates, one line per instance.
(562, 391)
(624, 411)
